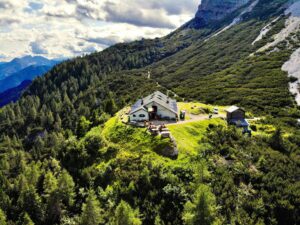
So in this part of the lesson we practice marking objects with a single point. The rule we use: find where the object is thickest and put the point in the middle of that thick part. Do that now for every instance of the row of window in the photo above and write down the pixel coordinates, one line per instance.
(141, 115)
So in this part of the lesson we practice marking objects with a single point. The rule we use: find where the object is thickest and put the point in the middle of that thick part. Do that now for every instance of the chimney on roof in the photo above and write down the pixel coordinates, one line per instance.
(168, 100)
(142, 101)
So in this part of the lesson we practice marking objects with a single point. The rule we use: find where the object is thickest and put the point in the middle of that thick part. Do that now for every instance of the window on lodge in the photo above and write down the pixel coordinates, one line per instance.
(142, 115)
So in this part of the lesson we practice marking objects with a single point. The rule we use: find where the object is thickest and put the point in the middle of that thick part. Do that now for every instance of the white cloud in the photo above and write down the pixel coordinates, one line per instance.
(66, 28)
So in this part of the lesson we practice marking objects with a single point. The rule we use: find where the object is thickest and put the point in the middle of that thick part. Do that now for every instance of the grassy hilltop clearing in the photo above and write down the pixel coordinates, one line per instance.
(218, 157)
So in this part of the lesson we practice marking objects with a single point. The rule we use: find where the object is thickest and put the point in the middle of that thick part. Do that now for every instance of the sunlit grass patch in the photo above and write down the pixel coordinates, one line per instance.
(189, 135)
(197, 108)
(131, 138)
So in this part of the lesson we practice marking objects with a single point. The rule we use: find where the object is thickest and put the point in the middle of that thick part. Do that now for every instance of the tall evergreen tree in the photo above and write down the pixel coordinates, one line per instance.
(2, 218)
(110, 105)
(125, 215)
(66, 187)
(83, 126)
(30, 201)
(27, 220)
(201, 211)
(91, 211)
(50, 184)
(276, 141)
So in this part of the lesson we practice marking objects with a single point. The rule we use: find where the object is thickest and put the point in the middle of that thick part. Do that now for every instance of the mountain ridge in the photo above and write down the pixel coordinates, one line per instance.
(28, 73)
(13, 73)
(212, 11)
(17, 64)
(13, 94)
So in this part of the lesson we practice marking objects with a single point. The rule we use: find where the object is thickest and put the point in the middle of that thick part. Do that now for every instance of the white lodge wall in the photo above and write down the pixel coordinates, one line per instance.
(137, 116)
(154, 106)
(162, 111)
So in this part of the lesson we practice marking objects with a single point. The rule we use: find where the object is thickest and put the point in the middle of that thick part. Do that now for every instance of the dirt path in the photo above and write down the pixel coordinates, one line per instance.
(195, 118)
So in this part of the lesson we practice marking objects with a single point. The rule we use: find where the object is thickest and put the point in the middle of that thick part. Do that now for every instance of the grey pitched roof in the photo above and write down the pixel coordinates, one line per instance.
(158, 98)
(137, 106)
(233, 108)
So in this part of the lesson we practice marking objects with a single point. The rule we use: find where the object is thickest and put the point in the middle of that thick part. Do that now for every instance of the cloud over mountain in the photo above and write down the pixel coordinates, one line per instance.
(66, 28)
(38, 49)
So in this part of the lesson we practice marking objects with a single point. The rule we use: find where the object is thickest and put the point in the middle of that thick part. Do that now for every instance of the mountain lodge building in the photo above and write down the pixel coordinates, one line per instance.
(154, 107)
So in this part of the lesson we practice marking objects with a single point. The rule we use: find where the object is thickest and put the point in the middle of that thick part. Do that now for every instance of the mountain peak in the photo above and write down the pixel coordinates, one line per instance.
(31, 60)
(18, 64)
(215, 10)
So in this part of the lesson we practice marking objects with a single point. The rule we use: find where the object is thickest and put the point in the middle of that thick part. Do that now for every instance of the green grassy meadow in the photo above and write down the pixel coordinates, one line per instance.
(189, 135)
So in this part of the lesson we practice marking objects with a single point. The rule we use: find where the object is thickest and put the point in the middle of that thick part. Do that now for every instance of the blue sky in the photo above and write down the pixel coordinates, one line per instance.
(67, 28)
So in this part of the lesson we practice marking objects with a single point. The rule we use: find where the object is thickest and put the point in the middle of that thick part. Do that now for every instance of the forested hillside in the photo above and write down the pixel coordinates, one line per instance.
(65, 157)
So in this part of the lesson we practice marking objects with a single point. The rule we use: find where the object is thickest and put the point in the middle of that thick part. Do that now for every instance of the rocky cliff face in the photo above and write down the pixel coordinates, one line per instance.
(215, 10)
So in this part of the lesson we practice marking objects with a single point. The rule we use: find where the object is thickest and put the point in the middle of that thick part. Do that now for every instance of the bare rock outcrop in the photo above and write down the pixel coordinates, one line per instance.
(211, 11)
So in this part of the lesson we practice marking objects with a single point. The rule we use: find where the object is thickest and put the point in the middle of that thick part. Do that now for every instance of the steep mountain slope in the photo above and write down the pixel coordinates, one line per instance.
(197, 68)
(211, 12)
(292, 65)
(184, 57)
(65, 161)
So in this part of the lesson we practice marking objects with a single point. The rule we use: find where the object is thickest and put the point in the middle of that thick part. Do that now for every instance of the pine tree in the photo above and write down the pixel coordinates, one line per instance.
(32, 114)
(158, 221)
(39, 149)
(57, 125)
(27, 220)
(277, 142)
(31, 202)
(110, 106)
(50, 184)
(91, 211)
(66, 187)
(125, 215)
(202, 209)
(83, 126)
(2, 218)
(50, 118)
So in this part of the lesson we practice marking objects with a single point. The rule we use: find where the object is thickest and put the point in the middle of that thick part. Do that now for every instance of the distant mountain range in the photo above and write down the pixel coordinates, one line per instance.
(13, 94)
(18, 64)
(29, 73)
(13, 73)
